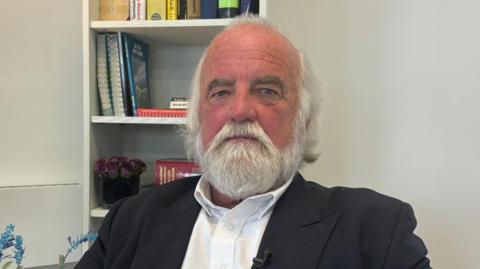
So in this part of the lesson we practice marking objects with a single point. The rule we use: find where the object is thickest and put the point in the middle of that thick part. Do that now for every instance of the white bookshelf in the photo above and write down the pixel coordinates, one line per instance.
(175, 48)
(98, 212)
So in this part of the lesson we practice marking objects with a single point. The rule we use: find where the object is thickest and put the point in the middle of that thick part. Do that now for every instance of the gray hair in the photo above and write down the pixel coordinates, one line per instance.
(309, 90)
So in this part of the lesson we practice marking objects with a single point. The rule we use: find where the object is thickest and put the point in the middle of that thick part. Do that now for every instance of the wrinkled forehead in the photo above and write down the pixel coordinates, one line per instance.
(252, 42)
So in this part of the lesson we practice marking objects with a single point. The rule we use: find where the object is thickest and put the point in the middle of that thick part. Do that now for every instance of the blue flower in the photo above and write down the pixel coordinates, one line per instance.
(6, 239)
(75, 243)
(19, 250)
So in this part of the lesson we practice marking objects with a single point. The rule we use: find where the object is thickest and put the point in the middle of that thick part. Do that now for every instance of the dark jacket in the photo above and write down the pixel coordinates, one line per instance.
(311, 227)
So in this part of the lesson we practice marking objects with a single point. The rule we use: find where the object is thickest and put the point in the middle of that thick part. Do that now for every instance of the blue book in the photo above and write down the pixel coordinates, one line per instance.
(249, 6)
(136, 60)
(209, 9)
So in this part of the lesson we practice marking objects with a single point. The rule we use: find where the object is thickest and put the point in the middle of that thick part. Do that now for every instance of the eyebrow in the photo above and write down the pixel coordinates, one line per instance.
(219, 82)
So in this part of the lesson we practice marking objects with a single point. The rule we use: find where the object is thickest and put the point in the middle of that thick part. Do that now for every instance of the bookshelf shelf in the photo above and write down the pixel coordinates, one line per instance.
(178, 32)
(98, 212)
(138, 120)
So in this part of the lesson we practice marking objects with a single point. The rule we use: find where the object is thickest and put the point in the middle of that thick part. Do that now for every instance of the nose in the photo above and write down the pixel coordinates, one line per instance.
(242, 106)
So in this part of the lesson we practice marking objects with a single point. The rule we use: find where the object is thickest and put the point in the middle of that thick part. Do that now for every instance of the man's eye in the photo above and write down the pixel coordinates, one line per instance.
(266, 91)
(268, 95)
(218, 96)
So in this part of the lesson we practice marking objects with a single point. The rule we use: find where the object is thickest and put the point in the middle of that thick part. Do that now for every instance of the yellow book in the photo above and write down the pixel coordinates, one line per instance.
(113, 10)
(172, 7)
(156, 9)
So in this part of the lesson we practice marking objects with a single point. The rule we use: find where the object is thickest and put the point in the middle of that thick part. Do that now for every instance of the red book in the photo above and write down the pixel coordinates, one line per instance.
(158, 112)
(170, 170)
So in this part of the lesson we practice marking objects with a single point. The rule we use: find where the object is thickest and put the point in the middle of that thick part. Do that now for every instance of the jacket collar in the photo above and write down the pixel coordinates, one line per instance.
(296, 234)
(170, 224)
(298, 229)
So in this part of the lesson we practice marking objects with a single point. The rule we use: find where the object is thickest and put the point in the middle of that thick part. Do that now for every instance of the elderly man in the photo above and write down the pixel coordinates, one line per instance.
(250, 127)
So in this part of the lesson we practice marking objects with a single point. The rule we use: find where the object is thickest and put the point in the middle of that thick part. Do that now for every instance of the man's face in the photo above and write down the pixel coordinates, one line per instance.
(248, 75)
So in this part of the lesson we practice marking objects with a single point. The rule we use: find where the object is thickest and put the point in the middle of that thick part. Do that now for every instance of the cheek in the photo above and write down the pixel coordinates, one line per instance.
(211, 122)
(278, 125)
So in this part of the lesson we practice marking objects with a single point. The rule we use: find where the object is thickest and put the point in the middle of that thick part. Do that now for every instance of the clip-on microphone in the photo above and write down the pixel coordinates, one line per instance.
(265, 260)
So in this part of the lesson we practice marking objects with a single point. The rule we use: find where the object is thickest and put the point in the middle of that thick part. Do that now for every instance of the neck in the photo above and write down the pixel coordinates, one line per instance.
(221, 199)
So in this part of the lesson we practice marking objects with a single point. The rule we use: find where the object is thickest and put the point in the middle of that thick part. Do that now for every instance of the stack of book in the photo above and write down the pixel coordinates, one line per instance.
(174, 9)
(122, 62)
(169, 170)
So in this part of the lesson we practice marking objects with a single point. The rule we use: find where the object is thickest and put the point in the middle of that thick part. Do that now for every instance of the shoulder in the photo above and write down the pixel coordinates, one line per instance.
(360, 204)
(135, 209)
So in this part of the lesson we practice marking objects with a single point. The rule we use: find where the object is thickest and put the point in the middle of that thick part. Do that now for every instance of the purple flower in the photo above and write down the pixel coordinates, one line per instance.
(113, 166)
(119, 167)
(127, 169)
(101, 167)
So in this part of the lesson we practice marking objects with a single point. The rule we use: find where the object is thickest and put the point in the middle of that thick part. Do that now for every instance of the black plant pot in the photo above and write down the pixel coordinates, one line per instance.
(116, 189)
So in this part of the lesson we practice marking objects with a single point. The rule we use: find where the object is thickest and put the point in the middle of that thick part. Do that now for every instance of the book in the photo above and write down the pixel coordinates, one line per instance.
(138, 10)
(228, 8)
(249, 6)
(123, 73)
(156, 9)
(179, 103)
(209, 9)
(169, 170)
(113, 10)
(193, 9)
(136, 61)
(106, 106)
(172, 6)
(116, 71)
(182, 9)
(159, 112)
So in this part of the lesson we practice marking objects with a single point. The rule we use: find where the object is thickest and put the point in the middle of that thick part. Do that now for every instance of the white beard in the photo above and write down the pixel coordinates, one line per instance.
(252, 166)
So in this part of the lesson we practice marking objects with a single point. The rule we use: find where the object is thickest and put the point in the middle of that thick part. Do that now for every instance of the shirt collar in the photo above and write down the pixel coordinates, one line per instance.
(264, 201)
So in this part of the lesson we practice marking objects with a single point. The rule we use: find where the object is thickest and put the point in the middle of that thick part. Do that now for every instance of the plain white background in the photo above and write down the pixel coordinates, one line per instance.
(401, 116)
(402, 110)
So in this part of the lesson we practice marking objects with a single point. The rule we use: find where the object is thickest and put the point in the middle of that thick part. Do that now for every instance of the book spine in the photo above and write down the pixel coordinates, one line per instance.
(249, 6)
(106, 107)
(131, 79)
(182, 9)
(193, 9)
(168, 171)
(132, 10)
(113, 10)
(115, 74)
(141, 10)
(178, 104)
(123, 75)
(172, 6)
(156, 112)
(228, 8)
(156, 9)
(209, 9)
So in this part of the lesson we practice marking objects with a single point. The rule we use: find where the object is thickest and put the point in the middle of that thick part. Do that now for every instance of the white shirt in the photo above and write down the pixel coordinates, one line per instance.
(228, 238)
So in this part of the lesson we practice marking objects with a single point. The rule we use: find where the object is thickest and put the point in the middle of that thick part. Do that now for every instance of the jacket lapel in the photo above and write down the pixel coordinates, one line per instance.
(298, 229)
(170, 227)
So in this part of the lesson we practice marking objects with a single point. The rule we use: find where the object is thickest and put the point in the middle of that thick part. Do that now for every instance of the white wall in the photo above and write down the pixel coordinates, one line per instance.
(41, 124)
(402, 111)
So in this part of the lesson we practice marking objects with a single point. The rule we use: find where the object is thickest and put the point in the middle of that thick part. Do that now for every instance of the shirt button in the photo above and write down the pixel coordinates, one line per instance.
(230, 226)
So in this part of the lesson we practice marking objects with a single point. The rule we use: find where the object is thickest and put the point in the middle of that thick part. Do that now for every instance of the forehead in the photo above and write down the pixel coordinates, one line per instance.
(248, 50)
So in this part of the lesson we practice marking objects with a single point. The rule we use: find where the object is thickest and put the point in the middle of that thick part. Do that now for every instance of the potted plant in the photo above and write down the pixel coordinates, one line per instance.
(120, 177)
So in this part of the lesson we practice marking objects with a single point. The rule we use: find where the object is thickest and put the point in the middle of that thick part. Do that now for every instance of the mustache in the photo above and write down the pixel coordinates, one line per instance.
(250, 130)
